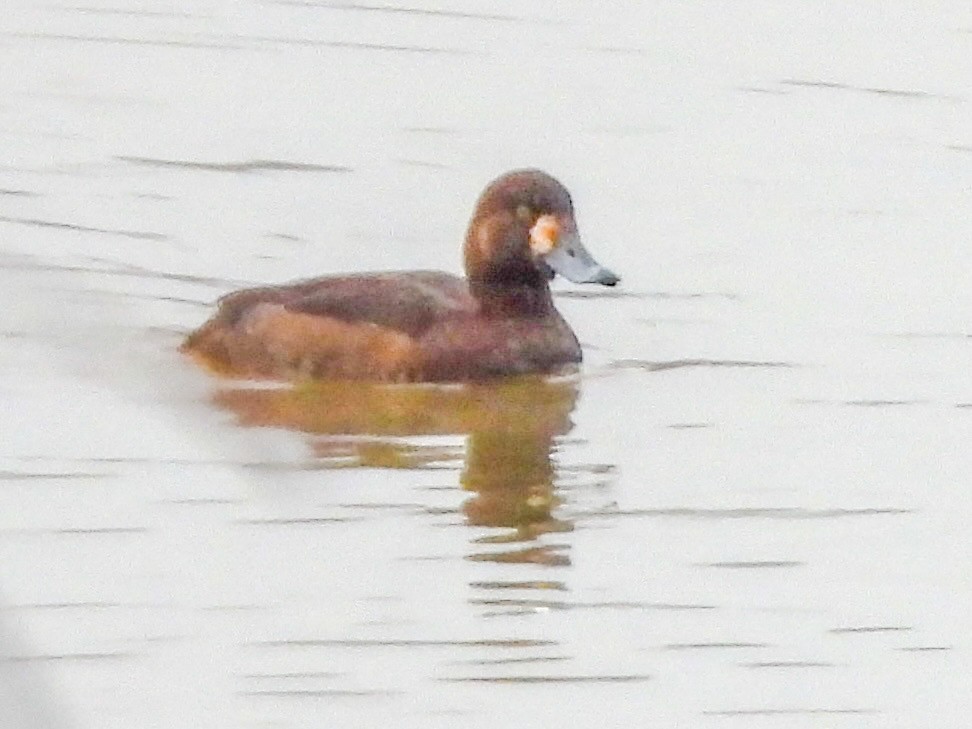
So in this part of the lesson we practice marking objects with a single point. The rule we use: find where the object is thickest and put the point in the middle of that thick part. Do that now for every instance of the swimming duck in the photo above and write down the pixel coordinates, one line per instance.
(422, 326)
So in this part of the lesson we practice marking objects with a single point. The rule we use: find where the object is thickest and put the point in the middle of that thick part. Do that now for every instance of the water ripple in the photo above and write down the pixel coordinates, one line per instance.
(836, 85)
(758, 564)
(675, 364)
(36, 222)
(536, 605)
(788, 664)
(511, 643)
(361, 7)
(550, 679)
(120, 40)
(86, 657)
(728, 645)
(789, 712)
(246, 166)
(872, 629)
(758, 513)
(319, 693)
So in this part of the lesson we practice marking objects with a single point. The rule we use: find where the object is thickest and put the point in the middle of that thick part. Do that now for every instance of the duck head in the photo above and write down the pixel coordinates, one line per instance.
(523, 233)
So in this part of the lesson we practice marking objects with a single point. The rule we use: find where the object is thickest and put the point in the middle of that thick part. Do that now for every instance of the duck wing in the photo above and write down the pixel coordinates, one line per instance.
(408, 302)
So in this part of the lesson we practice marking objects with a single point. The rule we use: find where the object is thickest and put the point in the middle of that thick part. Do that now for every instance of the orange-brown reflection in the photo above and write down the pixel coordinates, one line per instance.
(509, 426)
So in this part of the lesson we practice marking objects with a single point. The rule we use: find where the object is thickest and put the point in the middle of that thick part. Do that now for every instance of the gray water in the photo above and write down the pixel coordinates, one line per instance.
(751, 506)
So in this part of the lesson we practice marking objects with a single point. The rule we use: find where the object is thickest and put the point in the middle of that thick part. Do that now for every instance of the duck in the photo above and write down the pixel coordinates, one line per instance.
(422, 326)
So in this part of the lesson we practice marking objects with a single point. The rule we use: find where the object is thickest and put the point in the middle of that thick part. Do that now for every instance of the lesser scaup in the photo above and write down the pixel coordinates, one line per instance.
(422, 326)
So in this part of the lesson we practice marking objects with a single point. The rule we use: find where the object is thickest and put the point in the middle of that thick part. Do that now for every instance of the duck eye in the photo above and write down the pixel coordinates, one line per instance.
(524, 213)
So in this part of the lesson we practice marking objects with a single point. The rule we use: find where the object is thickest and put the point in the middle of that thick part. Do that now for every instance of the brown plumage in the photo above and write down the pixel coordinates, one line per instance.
(421, 325)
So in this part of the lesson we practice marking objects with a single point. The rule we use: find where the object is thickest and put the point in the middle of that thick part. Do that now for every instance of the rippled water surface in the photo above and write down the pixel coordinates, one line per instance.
(751, 506)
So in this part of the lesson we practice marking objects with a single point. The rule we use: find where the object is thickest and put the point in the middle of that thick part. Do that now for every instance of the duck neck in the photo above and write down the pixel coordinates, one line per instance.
(512, 300)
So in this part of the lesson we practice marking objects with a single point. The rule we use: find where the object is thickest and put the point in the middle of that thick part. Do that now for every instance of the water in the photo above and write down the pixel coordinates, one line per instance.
(751, 506)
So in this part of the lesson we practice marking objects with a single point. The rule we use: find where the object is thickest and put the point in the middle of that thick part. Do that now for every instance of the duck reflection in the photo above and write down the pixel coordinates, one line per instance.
(510, 429)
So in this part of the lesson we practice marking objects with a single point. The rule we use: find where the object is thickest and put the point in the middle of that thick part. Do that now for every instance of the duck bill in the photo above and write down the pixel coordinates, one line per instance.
(572, 261)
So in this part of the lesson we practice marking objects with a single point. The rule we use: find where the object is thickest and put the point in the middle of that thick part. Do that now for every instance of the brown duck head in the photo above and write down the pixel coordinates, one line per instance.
(522, 233)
